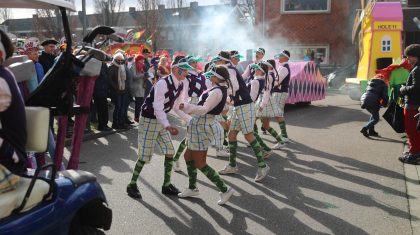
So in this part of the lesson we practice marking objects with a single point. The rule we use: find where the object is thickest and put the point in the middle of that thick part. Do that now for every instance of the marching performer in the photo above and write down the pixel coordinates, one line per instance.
(268, 108)
(281, 90)
(200, 133)
(154, 127)
(194, 85)
(243, 119)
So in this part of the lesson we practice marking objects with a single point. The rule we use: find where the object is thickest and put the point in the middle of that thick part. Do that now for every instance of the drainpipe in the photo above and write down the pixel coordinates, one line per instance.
(263, 19)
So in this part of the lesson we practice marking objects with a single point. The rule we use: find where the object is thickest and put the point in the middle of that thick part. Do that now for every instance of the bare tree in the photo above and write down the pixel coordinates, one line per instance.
(5, 14)
(108, 11)
(150, 20)
(47, 23)
(246, 9)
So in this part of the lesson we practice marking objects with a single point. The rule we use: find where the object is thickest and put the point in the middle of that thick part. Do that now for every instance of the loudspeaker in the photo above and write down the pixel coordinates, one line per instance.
(382, 63)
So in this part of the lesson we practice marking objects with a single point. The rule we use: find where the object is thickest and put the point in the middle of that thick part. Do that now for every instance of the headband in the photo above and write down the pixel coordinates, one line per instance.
(282, 54)
(257, 66)
(183, 64)
(213, 72)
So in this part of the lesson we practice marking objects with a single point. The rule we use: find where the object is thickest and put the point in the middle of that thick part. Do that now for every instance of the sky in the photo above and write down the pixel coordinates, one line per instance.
(27, 13)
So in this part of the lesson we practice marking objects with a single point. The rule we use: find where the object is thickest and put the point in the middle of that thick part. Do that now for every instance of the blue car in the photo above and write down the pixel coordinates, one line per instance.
(70, 202)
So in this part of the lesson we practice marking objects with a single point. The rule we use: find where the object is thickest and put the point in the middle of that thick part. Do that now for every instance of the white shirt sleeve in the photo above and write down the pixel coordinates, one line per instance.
(159, 102)
(267, 92)
(215, 96)
(234, 80)
(283, 72)
(5, 95)
(247, 72)
(255, 86)
(184, 116)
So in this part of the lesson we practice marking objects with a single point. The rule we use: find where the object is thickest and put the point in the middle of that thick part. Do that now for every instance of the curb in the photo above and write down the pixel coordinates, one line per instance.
(412, 181)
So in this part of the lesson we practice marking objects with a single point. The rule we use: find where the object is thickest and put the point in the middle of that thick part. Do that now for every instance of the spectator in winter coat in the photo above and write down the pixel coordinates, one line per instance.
(376, 95)
(117, 77)
(138, 85)
(411, 91)
(100, 94)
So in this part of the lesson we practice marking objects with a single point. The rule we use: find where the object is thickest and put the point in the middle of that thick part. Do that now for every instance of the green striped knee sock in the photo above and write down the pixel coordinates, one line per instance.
(275, 135)
(192, 174)
(257, 150)
(260, 141)
(168, 171)
(214, 177)
(136, 172)
(233, 145)
(282, 125)
(180, 149)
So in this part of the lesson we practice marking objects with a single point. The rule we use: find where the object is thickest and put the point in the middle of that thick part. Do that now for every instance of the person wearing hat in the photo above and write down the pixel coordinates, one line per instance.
(31, 48)
(266, 106)
(196, 84)
(117, 77)
(243, 119)
(138, 86)
(260, 93)
(249, 72)
(235, 58)
(281, 90)
(154, 128)
(13, 133)
(200, 132)
(47, 57)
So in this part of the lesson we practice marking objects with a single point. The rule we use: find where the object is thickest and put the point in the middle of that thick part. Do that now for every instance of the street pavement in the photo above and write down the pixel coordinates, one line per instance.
(329, 180)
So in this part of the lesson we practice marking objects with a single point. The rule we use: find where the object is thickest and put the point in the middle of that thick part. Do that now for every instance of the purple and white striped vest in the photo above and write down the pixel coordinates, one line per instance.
(173, 93)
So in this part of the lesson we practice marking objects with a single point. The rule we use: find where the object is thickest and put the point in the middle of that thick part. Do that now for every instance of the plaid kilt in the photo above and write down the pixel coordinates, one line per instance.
(200, 132)
(150, 134)
(219, 133)
(279, 99)
(269, 111)
(243, 118)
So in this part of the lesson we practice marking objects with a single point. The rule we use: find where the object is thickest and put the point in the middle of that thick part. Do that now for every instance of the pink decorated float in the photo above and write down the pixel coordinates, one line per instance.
(306, 83)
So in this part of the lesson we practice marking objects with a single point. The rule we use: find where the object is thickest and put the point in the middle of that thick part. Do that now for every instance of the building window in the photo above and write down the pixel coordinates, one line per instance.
(305, 6)
(317, 53)
(386, 44)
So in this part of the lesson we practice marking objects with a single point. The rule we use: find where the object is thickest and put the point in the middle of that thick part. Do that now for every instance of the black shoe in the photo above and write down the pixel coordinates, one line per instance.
(410, 159)
(129, 122)
(372, 132)
(364, 131)
(170, 190)
(133, 191)
(107, 128)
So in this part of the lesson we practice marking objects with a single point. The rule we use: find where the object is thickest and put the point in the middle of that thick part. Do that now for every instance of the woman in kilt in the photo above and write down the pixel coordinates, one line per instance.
(268, 108)
(200, 133)
(242, 119)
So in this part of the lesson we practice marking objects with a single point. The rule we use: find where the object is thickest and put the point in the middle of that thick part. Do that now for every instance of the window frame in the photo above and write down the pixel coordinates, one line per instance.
(284, 11)
(388, 44)
(294, 47)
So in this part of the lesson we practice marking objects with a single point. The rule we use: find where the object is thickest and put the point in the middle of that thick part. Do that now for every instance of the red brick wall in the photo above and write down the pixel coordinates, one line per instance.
(332, 28)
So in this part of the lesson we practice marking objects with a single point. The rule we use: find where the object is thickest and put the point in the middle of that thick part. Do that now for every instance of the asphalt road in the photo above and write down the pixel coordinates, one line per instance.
(330, 180)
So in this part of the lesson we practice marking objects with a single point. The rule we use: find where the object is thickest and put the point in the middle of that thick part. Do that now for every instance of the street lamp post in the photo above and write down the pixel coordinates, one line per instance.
(84, 17)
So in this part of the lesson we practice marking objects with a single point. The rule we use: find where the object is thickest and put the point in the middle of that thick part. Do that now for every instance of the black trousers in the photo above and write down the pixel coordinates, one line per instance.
(102, 111)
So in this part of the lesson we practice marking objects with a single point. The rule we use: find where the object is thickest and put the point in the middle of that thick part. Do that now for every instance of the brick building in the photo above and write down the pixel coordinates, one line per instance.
(311, 29)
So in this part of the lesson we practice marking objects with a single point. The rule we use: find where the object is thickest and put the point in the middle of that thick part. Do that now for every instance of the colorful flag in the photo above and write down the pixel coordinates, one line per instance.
(138, 35)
